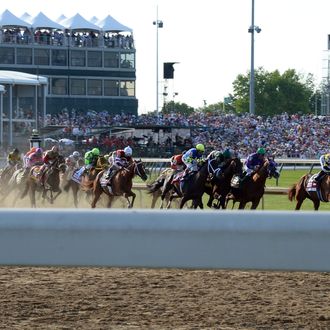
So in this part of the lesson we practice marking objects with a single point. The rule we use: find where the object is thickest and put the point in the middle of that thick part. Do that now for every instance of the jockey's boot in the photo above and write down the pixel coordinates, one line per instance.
(319, 177)
(110, 176)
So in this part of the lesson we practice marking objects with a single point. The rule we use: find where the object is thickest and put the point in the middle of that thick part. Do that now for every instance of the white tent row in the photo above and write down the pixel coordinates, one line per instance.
(76, 22)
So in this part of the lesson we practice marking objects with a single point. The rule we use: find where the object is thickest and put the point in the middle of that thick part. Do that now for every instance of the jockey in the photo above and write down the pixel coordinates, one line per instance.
(50, 156)
(325, 168)
(177, 163)
(253, 163)
(26, 156)
(119, 159)
(72, 161)
(91, 158)
(34, 158)
(13, 159)
(221, 157)
(193, 158)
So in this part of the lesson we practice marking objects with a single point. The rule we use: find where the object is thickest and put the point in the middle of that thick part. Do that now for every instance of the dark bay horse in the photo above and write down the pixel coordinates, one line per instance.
(253, 188)
(50, 184)
(121, 183)
(221, 184)
(193, 187)
(87, 179)
(307, 188)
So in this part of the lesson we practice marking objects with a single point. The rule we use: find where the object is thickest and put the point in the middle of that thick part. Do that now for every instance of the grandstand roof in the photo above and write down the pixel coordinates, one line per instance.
(9, 19)
(21, 78)
(42, 21)
(76, 22)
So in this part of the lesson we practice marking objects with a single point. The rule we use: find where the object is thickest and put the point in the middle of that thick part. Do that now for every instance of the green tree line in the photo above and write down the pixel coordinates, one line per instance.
(275, 93)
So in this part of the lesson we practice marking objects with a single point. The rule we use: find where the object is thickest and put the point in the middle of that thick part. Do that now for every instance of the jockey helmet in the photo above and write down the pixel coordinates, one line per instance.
(128, 151)
(261, 151)
(16, 151)
(327, 158)
(96, 151)
(227, 153)
(76, 154)
(200, 147)
(38, 151)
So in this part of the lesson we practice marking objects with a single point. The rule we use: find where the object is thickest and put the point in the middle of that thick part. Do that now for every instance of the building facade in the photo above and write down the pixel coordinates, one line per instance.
(89, 66)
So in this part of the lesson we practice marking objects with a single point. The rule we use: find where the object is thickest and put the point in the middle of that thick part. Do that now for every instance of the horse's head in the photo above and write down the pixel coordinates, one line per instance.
(140, 170)
(272, 169)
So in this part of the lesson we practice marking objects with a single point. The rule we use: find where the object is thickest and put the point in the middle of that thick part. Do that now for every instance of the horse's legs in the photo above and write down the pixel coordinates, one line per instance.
(241, 205)
(130, 203)
(110, 201)
(255, 204)
(316, 203)
(183, 201)
(97, 194)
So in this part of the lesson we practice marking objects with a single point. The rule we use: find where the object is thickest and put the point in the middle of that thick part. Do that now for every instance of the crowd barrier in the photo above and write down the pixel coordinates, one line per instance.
(258, 240)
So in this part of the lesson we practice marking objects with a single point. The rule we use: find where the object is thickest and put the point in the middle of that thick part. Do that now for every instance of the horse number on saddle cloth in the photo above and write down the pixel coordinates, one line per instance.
(311, 184)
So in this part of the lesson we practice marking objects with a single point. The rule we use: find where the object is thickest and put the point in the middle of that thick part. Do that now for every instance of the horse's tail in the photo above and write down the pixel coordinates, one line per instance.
(156, 185)
(292, 192)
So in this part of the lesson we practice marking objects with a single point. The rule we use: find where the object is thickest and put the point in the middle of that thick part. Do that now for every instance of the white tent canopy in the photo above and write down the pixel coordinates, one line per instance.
(109, 24)
(21, 78)
(61, 18)
(42, 21)
(77, 22)
(26, 17)
(9, 19)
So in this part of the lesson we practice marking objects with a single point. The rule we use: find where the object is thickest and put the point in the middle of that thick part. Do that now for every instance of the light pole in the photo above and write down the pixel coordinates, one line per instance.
(159, 25)
(251, 30)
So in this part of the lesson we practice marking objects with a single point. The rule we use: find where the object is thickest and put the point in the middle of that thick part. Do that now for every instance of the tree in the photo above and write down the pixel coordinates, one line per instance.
(274, 93)
(176, 107)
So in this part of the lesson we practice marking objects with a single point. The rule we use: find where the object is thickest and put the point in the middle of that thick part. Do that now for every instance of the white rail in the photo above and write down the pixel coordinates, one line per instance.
(185, 239)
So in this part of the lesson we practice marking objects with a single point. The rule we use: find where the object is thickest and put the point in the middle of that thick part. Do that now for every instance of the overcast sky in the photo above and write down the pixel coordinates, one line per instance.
(208, 38)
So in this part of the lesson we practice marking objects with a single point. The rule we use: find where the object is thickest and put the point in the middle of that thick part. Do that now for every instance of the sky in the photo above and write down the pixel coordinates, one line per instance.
(209, 39)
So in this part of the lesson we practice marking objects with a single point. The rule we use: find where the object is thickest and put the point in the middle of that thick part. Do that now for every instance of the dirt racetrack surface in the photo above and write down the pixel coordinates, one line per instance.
(124, 298)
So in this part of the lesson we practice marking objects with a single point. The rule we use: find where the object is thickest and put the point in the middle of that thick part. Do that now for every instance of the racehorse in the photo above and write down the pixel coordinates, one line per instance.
(253, 188)
(193, 186)
(121, 183)
(221, 184)
(5, 176)
(86, 180)
(159, 185)
(307, 188)
(48, 185)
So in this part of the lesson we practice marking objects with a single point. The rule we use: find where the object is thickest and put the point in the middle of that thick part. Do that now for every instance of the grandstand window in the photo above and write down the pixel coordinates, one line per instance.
(59, 57)
(24, 56)
(78, 86)
(94, 87)
(127, 60)
(94, 59)
(59, 86)
(127, 88)
(111, 59)
(41, 56)
(78, 58)
(7, 55)
(111, 87)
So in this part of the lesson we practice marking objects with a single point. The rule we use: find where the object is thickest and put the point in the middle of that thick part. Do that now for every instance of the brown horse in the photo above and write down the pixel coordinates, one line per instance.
(122, 183)
(221, 183)
(86, 181)
(307, 188)
(50, 184)
(253, 188)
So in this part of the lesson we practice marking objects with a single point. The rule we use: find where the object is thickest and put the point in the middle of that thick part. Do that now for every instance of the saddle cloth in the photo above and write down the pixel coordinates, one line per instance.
(311, 184)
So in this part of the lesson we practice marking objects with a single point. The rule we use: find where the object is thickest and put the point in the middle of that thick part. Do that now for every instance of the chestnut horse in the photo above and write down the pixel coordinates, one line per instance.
(253, 188)
(307, 188)
(86, 181)
(121, 183)
(50, 184)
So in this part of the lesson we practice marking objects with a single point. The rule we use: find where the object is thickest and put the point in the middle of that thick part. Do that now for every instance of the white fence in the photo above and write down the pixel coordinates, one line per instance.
(181, 239)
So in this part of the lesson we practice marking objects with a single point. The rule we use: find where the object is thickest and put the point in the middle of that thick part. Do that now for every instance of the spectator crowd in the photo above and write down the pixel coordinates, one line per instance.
(296, 136)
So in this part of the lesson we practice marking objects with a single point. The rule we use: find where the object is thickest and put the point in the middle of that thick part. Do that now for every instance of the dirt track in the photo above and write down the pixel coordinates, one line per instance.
(112, 298)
